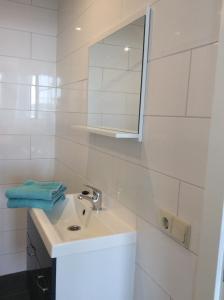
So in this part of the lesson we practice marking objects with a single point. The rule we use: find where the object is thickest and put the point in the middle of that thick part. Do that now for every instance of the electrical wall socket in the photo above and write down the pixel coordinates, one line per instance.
(176, 228)
(165, 220)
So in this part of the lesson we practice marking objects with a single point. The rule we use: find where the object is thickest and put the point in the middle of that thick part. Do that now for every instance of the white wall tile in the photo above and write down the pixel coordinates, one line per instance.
(27, 18)
(190, 209)
(179, 25)
(202, 79)
(43, 98)
(91, 26)
(15, 43)
(66, 45)
(75, 158)
(72, 100)
(42, 147)
(22, 1)
(74, 67)
(17, 171)
(69, 11)
(144, 191)
(74, 183)
(168, 85)
(12, 219)
(130, 7)
(42, 123)
(14, 147)
(14, 122)
(41, 169)
(26, 122)
(12, 241)
(70, 126)
(43, 47)
(109, 14)
(168, 263)
(52, 4)
(24, 71)
(122, 212)
(13, 96)
(177, 147)
(146, 288)
(125, 149)
(106, 176)
(12, 263)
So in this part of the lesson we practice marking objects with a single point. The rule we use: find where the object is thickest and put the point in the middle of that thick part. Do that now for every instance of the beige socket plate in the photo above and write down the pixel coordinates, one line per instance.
(176, 228)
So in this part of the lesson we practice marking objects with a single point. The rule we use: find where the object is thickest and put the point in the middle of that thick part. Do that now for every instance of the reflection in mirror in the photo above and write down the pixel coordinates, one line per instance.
(114, 83)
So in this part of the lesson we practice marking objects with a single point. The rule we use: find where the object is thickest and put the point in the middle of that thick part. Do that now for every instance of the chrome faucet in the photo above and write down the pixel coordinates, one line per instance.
(95, 198)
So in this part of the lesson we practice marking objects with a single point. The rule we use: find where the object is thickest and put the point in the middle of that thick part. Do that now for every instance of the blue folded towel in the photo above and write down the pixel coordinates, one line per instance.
(36, 194)
(36, 203)
(37, 190)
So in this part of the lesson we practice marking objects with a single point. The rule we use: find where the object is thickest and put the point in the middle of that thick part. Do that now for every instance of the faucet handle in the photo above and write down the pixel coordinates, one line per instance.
(95, 190)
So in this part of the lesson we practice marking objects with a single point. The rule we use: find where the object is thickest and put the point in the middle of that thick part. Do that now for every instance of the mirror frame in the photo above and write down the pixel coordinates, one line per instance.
(127, 134)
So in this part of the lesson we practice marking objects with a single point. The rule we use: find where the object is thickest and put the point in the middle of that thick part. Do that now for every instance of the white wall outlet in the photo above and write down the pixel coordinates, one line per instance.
(165, 221)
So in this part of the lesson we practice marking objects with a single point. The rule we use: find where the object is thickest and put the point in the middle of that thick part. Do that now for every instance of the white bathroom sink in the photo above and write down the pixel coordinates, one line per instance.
(92, 230)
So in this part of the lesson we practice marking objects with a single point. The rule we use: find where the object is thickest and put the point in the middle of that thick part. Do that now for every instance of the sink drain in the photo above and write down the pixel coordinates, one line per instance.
(74, 228)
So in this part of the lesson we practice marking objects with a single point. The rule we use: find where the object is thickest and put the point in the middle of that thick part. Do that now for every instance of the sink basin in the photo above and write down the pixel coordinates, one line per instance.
(73, 227)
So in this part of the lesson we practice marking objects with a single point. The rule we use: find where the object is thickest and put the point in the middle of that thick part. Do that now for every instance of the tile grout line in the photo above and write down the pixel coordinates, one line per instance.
(85, 45)
(150, 276)
(179, 194)
(31, 45)
(130, 162)
(27, 31)
(28, 84)
(28, 59)
(183, 51)
(188, 85)
(30, 147)
(33, 5)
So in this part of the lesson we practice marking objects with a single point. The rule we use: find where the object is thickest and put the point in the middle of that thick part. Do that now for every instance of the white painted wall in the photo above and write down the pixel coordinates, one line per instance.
(27, 122)
(168, 169)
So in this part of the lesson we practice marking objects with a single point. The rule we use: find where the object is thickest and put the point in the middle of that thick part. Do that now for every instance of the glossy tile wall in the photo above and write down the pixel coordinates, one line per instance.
(168, 169)
(27, 121)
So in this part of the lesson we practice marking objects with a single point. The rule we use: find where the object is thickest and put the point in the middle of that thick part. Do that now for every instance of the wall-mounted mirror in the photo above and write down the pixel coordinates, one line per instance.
(117, 80)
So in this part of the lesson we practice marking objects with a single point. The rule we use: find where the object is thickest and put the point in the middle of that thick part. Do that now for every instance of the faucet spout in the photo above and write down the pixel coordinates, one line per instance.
(95, 198)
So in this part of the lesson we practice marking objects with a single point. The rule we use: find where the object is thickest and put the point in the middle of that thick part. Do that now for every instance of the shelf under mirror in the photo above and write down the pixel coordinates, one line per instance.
(109, 132)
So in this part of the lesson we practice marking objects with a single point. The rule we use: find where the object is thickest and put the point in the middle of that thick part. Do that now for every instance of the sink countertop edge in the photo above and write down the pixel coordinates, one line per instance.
(57, 248)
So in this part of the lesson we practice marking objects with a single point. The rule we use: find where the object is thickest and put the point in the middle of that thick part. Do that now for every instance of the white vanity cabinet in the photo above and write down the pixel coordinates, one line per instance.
(96, 275)
(95, 263)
